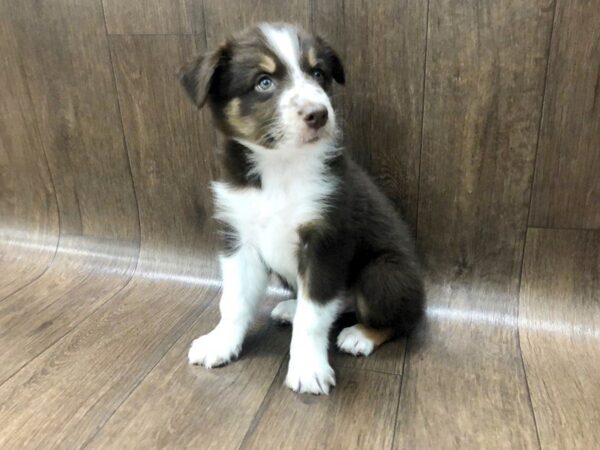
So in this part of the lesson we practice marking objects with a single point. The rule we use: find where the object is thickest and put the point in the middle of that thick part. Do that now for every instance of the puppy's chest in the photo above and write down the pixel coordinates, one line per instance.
(269, 218)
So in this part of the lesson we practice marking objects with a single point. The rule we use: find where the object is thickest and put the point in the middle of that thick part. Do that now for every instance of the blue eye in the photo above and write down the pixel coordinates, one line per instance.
(318, 75)
(264, 83)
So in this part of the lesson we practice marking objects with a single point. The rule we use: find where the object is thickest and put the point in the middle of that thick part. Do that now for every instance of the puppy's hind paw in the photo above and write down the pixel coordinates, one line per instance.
(353, 340)
(284, 311)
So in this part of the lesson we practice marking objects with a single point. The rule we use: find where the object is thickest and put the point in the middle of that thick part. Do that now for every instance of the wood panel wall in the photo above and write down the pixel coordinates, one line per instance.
(480, 119)
(477, 120)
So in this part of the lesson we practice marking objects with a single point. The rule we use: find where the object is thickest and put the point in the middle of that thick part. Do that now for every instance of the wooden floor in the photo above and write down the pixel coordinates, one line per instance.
(99, 361)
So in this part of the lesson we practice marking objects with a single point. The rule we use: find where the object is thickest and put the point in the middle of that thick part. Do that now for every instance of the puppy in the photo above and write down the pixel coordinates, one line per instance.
(291, 202)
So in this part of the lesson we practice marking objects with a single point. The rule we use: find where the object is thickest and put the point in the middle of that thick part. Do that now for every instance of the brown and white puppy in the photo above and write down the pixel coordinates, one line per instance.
(291, 202)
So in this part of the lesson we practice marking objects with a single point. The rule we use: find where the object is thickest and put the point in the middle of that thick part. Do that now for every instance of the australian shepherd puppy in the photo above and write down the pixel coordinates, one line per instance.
(291, 202)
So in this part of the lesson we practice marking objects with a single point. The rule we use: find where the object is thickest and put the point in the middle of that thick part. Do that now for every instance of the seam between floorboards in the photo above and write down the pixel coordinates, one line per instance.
(142, 379)
(76, 326)
(422, 123)
(400, 391)
(262, 408)
(52, 182)
(531, 187)
(424, 85)
(263, 405)
(125, 145)
(537, 433)
(541, 120)
(30, 282)
(562, 228)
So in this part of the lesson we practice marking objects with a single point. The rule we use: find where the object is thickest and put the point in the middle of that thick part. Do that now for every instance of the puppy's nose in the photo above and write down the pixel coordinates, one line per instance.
(315, 116)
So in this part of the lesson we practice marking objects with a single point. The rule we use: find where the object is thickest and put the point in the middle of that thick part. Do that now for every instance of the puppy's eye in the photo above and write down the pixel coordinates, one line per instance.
(264, 83)
(318, 75)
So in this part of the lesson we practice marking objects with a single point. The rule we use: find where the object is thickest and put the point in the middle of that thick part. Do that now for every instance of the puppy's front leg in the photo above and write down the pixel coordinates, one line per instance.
(309, 370)
(244, 283)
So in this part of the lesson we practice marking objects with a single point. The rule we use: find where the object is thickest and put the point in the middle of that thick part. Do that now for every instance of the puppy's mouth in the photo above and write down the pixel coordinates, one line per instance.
(312, 136)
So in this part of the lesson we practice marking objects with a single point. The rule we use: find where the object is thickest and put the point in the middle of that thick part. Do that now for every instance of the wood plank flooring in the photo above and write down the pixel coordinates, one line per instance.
(119, 377)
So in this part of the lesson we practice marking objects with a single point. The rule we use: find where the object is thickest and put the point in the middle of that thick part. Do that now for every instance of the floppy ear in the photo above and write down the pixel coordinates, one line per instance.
(337, 69)
(197, 75)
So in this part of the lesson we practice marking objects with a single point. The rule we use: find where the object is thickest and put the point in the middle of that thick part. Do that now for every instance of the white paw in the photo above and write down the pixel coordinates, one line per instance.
(313, 378)
(352, 340)
(284, 311)
(216, 348)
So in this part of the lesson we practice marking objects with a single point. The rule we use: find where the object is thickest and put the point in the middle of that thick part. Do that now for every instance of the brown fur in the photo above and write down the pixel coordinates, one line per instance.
(377, 336)
(361, 244)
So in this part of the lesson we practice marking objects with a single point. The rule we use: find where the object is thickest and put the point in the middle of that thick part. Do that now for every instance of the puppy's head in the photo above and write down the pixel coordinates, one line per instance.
(269, 86)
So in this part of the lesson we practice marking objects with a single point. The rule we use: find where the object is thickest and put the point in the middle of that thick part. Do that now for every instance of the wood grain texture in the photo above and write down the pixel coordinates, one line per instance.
(481, 88)
(148, 16)
(171, 147)
(483, 91)
(64, 396)
(65, 63)
(98, 365)
(382, 45)
(359, 413)
(464, 385)
(80, 280)
(566, 190)
(560, 331)
(28, 214)
(223, 18)
(203, 408)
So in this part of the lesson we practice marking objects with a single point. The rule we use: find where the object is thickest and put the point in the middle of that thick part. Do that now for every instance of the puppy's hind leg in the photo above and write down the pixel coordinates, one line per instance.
(284, 311)
(389, 302)
(362, 340)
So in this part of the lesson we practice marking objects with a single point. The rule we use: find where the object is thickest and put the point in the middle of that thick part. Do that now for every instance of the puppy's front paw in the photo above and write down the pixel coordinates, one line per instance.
(310, 378)
(284, 311)
(214, 349)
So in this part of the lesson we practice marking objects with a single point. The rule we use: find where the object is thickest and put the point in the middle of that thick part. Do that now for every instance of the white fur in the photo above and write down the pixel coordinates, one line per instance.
(294, 191)
(244, 284)
(284, 42)
(309, 371)
(284, 311)
(352, 340)
(302, 93)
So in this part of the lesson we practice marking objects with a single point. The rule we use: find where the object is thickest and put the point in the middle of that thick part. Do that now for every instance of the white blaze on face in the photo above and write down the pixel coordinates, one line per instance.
(302, 93)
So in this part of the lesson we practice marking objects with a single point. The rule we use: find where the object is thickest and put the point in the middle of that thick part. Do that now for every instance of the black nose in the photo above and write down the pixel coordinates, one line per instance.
(315, 116)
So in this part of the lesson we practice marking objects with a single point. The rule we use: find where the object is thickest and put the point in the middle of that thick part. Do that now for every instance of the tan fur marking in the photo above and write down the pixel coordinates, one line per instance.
(267, 64)
(376, 336)
(312, 57)
(242, 124)
(361, 305)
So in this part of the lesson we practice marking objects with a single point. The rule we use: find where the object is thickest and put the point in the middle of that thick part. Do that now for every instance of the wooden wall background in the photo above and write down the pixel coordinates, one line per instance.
(480, 119)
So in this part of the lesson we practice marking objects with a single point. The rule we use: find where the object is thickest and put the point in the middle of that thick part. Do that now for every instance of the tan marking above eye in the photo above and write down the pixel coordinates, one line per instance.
(312, 57)
(267, 64)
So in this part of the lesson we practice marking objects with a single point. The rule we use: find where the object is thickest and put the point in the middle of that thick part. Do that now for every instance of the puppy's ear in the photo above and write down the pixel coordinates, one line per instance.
(197, 76)
(337, 69)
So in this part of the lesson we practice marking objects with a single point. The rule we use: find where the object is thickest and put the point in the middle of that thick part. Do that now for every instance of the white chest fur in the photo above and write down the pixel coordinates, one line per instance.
(294, 189)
